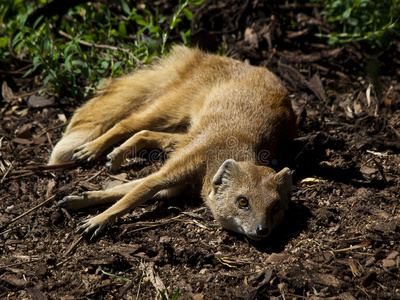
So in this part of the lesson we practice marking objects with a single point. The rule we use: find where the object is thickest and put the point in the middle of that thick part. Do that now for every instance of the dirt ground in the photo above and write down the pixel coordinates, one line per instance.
(341, 239)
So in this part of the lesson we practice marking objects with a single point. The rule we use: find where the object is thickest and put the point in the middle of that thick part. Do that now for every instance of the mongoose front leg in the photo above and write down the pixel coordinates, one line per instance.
(144, 191)
(172, 175)
(142, 140)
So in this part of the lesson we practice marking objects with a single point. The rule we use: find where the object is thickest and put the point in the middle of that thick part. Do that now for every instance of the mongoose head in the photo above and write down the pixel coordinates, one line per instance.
(250, 199)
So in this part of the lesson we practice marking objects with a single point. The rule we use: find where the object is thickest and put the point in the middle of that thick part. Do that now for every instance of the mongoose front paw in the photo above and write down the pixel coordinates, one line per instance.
(114, 161)
(92, 226)
(86, 152)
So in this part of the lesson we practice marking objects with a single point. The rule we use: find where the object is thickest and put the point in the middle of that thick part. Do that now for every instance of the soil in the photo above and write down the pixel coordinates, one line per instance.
(340, 240)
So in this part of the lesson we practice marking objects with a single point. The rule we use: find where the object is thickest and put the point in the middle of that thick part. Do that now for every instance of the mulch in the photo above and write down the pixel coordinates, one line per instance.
(341, 239)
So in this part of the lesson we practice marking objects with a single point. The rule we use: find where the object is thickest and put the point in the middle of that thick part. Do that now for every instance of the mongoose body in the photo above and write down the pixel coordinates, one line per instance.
(225, 121)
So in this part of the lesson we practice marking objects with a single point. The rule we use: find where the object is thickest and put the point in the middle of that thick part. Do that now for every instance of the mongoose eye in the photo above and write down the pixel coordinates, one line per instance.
(242, 202)
(276, 207)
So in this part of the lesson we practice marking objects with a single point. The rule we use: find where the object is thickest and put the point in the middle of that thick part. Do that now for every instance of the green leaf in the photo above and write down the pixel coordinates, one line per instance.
(346, 13)
(175, 22)
(186, 37)
(116, 276)
(28, 72)
(116, 65)
(47, 45)
(122, 29)
(125, 7)
(36, 61)
(141, 22)
(175, 295)
(353, 22)
(156, 30)
(67, 61)
(114, 32)
(188, 14)
(198, 2)
(77, 63)
(4, 42)
(38, 20)
(148, 12)
(105, 64)
(86, 71)
(163, 296)
(17, 38)
(46, 80)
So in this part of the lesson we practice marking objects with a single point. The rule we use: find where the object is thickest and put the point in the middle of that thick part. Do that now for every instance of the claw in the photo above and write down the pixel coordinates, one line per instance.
(114, 161)
(71, 202)
(85, 152)
(92, 225)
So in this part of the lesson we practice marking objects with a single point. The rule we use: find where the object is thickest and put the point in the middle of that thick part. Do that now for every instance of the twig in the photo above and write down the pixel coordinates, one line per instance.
(51, 128)
(350, 248)
(117, 178)
(27, 212)
(18, 175)
(95, 175)
(152, 226)
(68, 164)
(11, 229)
(6, 173)
(61, 262)
(162, 222)
(8, 104)
(49, 139)
(113, 48)
(74, 244)
(21, 263)
(380, 169)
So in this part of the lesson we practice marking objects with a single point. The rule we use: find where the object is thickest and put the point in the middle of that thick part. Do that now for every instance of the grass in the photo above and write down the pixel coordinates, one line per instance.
(88, 44)
(371, 23)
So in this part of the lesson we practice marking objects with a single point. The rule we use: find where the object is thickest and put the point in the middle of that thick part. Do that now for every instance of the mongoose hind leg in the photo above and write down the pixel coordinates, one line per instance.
(159, 116)
(92, 198)
(144, 139)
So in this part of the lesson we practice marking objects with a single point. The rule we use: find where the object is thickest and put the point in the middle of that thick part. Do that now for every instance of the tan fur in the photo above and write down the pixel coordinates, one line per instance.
(223, 118)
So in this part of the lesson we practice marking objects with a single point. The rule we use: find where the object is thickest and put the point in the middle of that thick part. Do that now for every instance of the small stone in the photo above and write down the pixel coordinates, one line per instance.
(370, 261)
(346, 296)
(392, 255)
(276, 257)
(388, 263)
(165, 239)
(327, 279)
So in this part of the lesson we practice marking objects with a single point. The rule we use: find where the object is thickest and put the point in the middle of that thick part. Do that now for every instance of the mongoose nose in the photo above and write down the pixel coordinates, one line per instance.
(262, 230)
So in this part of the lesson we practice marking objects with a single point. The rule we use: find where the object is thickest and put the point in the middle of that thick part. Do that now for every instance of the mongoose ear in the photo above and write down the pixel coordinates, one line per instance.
(284, 179)
(224, 170)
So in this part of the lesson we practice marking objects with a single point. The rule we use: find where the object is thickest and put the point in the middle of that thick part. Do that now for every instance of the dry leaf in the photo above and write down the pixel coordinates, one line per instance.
(311, 180)
(6, 92)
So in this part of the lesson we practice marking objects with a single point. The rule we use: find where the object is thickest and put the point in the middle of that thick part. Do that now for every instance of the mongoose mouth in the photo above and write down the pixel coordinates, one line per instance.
(262, 232)
(256, 237)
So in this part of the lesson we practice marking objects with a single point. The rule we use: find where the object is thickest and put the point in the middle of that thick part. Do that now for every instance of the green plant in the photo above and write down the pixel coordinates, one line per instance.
(374, 22)
(116, 276)
(174, 296)
(88, 44)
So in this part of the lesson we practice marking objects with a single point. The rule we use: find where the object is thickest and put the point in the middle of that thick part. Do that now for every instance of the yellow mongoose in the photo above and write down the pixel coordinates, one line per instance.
(221, 117)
